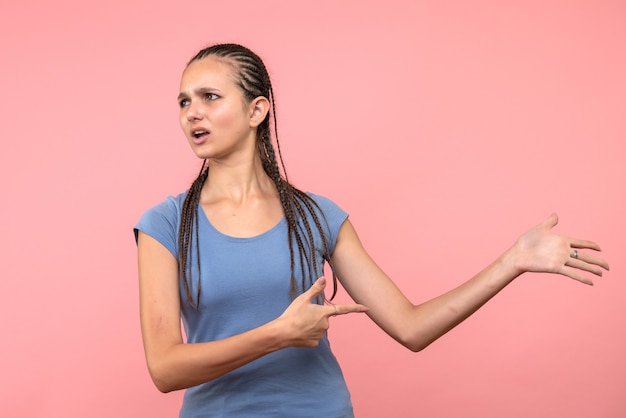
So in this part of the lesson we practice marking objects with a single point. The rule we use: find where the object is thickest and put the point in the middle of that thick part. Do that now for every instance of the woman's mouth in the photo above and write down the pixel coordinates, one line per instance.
(199, 135)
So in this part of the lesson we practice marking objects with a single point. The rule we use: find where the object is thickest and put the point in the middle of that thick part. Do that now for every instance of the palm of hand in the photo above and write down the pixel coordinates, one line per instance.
(541, 250)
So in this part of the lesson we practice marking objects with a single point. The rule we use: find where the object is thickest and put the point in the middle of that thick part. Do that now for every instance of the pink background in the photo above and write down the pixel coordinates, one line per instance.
(445, 129)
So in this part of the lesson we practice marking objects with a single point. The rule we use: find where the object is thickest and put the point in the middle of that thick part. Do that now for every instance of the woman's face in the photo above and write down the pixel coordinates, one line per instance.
(215, 117)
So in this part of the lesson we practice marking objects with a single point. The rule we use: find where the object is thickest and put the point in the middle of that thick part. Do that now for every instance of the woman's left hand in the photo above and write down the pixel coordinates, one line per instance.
(541, 250)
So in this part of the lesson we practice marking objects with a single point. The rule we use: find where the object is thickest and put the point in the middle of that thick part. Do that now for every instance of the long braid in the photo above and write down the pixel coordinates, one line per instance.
(253, 79)
(189, 226)
(311, 205)
(280, 154)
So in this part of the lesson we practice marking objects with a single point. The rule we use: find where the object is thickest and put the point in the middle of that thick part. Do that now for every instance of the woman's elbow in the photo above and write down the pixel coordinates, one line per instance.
(163, 386)
(415, 347)
(162, 379)
(415, 343)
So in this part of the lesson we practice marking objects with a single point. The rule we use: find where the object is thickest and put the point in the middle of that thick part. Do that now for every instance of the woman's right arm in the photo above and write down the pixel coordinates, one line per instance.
(174, 364)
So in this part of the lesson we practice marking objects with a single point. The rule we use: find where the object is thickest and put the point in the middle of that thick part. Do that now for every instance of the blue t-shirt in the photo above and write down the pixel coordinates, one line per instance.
(245, 284)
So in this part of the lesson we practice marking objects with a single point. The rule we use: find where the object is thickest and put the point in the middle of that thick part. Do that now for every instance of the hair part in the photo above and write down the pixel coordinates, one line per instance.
(251, 76)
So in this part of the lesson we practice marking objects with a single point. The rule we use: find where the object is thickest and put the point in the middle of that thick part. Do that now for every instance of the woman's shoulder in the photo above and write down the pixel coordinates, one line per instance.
(162, 220)
(171, 205)
(322, 201)
(328, 207)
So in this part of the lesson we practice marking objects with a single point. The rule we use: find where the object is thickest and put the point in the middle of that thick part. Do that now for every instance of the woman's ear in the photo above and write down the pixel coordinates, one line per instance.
(259, 109)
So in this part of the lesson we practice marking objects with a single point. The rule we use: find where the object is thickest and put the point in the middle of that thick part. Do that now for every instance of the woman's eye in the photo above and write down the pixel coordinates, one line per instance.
(184, 102)
(211, 96)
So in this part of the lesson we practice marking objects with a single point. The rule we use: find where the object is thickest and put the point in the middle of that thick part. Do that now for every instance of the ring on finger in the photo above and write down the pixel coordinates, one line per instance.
(574, 254)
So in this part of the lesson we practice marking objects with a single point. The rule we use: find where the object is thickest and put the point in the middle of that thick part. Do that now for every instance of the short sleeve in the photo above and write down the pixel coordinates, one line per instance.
(334, 216)
(161, 223)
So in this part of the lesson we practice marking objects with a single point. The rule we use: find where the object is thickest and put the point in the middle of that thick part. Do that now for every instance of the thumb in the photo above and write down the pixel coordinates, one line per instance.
(317, 288)
(551, 222)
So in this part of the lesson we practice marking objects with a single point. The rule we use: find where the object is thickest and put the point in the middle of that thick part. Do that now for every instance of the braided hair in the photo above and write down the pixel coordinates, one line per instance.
(252, 78)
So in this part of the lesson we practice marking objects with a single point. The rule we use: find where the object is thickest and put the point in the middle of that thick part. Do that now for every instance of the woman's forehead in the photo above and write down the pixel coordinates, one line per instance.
(207, 72)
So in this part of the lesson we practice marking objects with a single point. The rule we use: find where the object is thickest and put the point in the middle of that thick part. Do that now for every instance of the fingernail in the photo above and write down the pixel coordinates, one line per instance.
(322, 281)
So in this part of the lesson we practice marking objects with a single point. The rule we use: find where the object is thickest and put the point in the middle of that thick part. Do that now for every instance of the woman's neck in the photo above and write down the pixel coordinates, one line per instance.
(237, 181)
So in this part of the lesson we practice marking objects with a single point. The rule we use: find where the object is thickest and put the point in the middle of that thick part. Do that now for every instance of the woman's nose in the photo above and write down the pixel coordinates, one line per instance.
(194, 112)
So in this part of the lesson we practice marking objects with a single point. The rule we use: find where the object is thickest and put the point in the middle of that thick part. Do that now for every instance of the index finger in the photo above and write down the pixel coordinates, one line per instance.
(585, 244)
(346, 309)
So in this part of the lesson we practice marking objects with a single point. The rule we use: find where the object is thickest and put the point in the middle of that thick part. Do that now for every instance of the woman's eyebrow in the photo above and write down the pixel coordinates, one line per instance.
(199, 91)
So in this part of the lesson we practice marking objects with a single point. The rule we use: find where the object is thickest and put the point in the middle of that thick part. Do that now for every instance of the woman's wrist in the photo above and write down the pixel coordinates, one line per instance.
(511, 262)
(277, 335)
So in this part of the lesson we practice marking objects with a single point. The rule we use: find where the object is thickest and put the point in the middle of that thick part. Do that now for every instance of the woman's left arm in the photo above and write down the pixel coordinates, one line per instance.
(417, 326)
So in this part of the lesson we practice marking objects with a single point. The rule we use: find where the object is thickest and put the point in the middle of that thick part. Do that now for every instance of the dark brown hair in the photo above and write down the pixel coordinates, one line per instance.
(253, 79)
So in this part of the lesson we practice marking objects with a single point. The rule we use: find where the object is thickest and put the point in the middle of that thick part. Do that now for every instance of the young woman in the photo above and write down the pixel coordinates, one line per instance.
(240, 255)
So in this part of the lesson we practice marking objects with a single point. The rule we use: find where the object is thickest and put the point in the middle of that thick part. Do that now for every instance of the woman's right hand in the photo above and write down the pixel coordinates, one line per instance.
(305, 322)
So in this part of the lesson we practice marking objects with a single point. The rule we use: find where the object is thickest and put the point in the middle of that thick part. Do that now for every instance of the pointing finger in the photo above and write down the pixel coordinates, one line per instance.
(335, 310)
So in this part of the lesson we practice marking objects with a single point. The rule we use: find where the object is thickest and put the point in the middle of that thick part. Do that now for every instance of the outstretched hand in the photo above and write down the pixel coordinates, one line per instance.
(306, 321)
(541, 250)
